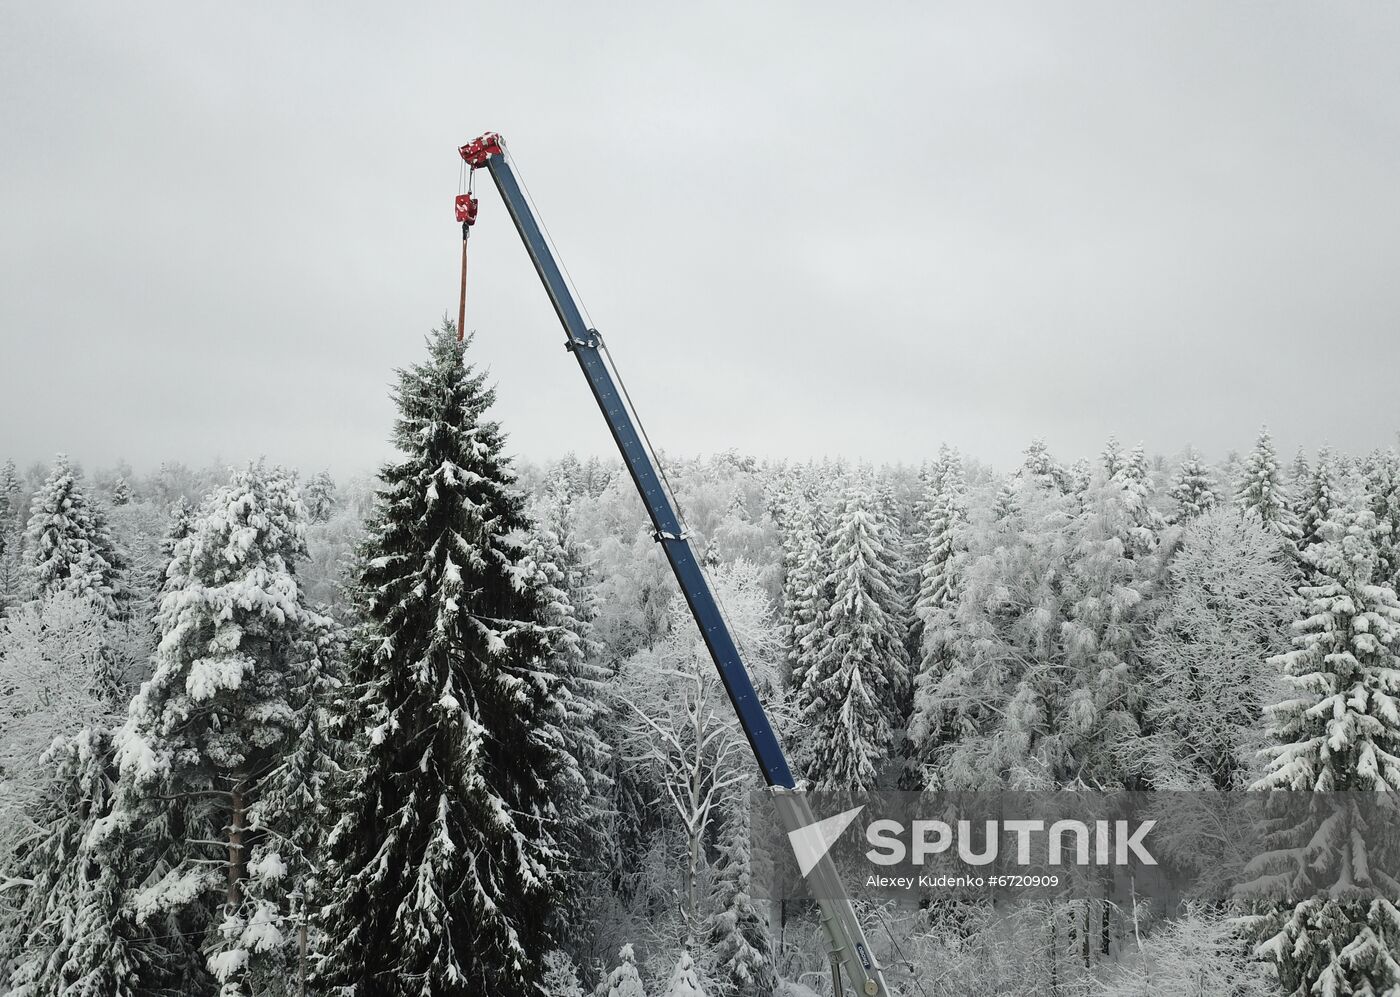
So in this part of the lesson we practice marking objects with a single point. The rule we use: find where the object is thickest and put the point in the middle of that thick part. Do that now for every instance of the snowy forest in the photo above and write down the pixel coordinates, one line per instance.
(447, 728)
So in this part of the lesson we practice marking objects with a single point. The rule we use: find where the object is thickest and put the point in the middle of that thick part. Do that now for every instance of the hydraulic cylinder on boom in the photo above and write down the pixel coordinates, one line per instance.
(849, 948)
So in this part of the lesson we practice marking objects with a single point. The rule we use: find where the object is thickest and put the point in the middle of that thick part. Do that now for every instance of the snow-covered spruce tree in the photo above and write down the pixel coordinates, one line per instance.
(1192, 493)
(67, 544)
(1316, 502)
(10, 533)
(807, 594)
(1081, 476)
(685, 978)
(1041, 469)
(1112, 458)
(1299, 475)
(1135, 487)
(446, 863)
(213, 733)
(178, 525)
(9, 485)
(945, 521)
(936, 604)
(121, 492)
(851, 691)
(319, 496)
(1339, 731)
(623, 981)
(740, 952)
(1226, 610)
(1261, 492)
(75, 934)
(551, 566)
(1382, 487)
(555, 512)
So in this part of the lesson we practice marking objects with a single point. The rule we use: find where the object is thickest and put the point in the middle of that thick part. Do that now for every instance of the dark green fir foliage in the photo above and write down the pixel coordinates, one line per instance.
(446, 865)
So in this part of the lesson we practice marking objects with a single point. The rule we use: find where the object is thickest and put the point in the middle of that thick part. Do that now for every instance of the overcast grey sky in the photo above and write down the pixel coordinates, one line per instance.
(804, 228)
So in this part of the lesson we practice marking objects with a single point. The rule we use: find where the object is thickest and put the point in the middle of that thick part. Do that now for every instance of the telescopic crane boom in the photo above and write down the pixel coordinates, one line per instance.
(848, 945)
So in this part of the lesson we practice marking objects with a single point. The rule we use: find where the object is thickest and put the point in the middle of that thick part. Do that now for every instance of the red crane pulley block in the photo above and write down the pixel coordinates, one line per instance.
(466, 209)
(479, 150)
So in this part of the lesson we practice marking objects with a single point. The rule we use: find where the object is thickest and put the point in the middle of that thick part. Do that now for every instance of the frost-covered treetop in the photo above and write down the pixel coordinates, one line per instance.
(1261, 491)
(685, 979)
(624, 981)
(232, 603)
(67, 545)
(1341, 728)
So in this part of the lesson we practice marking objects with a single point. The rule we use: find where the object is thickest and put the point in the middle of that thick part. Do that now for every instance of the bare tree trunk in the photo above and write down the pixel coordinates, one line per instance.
(1137, 934)
(1086, 945)
(695, 827)
(237, 860)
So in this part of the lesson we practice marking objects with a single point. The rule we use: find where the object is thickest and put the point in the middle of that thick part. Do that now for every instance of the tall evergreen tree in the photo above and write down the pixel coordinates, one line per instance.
(1041, 469)
(1338, 732)
(1300, 474)
(214, 751)
(1135, 487)
(939, 592)
(10, 534)
(1113, 459)
(67, 544)
(10, 484)
(851, 692)
(1317, 500)
(77, 932)
(581, 789)
(447, 865)
(178, 526)
(1382, 487)
(319, 496)
(1261, 492)
(1192, 492)
(1081, 476)
(807, 590)
(741, 951)
(945, 522)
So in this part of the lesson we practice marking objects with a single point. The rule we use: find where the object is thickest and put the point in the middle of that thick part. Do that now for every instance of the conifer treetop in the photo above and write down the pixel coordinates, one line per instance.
(67, 543)
(1341, 728)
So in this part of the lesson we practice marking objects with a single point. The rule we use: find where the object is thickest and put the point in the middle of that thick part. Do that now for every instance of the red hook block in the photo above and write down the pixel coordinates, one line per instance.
(466, 209)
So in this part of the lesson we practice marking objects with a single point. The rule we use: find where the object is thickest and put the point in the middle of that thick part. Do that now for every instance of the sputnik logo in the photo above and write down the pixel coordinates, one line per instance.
(812, 842)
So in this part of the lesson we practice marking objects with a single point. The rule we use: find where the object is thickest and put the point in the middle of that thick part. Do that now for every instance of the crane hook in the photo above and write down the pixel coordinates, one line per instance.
(466, 206)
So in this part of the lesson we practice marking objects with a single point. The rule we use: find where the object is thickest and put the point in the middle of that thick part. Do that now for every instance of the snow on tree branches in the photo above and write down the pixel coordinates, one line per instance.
(1338, 731)
(849, 696)
(447, 866)
(1261, 492)
(67, 543)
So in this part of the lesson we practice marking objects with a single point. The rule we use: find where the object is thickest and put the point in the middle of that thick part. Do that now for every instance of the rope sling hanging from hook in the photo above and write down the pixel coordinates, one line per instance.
(466, 207)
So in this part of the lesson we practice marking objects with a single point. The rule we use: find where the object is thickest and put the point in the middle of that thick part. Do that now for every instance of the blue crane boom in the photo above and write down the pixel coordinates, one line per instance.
(849, 947)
